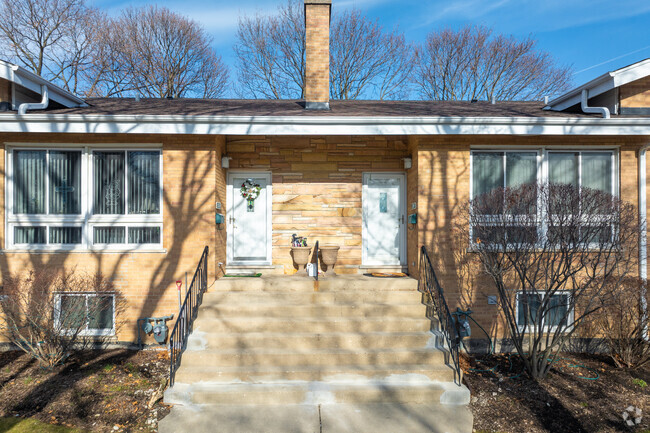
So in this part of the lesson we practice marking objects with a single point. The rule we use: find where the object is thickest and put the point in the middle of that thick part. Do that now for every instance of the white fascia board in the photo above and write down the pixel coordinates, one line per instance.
(602, 84)
(33, 82)
(308, 125)
(595, 87)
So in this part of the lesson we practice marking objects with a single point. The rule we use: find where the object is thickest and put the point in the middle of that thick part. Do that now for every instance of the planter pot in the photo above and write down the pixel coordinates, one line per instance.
(328, 255)
(300, 256)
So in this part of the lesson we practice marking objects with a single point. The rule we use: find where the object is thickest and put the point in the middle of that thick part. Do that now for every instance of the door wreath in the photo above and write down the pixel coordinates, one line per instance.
(250, 191)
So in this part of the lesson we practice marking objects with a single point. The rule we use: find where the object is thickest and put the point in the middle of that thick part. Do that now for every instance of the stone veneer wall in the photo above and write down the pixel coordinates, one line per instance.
(317, 186)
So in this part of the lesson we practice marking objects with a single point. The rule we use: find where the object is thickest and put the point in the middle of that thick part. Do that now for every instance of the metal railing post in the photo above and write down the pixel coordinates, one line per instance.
(187, 315)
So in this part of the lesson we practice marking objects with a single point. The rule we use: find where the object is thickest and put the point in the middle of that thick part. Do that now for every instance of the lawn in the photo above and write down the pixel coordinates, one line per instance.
(98, 391)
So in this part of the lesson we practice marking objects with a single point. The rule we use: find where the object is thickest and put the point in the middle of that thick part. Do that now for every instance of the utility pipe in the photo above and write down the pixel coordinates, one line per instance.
(592, 110)
(643, 238)
(22, 108)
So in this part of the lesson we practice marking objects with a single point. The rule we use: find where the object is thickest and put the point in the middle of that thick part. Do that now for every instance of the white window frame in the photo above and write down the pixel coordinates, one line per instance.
(528, 328)
(543, 174)
(86, 331)
(86, 220)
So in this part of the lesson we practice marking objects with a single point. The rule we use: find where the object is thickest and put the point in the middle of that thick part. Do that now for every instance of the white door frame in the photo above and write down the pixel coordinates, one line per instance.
(402, 217)
(229, 211)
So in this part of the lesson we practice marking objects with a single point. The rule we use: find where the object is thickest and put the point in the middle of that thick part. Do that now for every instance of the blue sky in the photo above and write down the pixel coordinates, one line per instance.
(594, 36)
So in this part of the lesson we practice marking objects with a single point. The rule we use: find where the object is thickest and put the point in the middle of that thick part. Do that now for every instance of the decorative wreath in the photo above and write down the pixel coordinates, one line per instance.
(250, 190)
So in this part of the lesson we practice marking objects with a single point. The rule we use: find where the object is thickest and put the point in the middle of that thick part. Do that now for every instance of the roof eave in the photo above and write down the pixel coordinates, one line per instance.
(33, 82)
(319, 125)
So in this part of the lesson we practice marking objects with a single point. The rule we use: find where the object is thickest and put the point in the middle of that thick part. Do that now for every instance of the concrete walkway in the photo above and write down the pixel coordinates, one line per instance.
(327, 418)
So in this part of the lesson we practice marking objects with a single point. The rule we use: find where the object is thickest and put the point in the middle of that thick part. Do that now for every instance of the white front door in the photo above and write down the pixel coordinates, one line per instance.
(249, 222)
(384, 240)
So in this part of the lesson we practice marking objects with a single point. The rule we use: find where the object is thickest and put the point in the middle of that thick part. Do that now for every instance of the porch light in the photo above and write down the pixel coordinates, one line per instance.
(408, 162)
(225, 161)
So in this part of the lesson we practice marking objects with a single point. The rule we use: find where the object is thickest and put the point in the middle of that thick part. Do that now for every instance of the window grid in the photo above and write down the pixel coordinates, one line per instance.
(85, 220)
(568, 316)
(543, 176)
(88, 331)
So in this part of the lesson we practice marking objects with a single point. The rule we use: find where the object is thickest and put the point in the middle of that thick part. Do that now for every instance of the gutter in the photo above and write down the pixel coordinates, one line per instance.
(49, 122)
(22, 108)
(643, 239)
(584, 101)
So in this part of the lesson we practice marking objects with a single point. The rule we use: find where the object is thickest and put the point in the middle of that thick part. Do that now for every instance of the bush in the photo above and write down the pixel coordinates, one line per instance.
(622, 323)
(50, 314)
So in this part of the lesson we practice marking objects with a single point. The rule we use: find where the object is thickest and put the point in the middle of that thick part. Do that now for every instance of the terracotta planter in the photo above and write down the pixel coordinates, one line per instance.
(300, 256)
(328, 254)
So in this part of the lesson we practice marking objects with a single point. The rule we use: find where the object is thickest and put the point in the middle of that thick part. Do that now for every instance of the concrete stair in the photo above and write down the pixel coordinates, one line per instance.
(274, 341)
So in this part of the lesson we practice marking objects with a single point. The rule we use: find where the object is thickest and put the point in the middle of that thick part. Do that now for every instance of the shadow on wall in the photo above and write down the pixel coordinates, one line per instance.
(147, 280)
(444, 177)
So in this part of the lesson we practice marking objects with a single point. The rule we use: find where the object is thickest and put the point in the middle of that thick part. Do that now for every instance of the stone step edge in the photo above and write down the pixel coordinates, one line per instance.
(314, 351)
(451, 393)
(328, 368)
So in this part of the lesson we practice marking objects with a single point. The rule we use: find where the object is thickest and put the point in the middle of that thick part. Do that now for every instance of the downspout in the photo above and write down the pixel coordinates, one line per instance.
(592, 110)
(22, 108)
(643, 239)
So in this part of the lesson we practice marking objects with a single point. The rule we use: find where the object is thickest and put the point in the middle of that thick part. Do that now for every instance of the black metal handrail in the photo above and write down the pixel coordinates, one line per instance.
(430, 285)
(189, 310)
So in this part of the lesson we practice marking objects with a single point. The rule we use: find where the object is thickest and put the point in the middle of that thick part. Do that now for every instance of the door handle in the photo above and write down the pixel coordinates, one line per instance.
(231, 219)
(401, 219)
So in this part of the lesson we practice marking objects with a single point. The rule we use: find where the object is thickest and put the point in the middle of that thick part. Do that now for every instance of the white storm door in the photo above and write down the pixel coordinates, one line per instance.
(249, 225)
(383, 219)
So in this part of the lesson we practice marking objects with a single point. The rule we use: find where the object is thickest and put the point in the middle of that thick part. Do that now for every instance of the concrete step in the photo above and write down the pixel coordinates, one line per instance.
(329, 418)
(310, 324)
(408, 389)
(261, 374)
(314, 357)
(304, 341)
(305, 283)
(357, 297)
(210, 310)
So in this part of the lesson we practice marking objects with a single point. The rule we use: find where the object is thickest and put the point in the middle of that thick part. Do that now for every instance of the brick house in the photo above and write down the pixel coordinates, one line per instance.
(132, 187)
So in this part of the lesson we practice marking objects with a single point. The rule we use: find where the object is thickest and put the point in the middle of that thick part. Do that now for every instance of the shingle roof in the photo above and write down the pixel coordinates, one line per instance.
(257, 108)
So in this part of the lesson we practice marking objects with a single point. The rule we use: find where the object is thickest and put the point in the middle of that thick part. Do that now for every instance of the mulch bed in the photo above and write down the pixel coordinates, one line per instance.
(583, 393)
(97, 391)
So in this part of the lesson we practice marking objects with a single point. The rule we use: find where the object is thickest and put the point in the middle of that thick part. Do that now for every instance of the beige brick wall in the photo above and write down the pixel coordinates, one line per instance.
(317, 67)
(5, 90)
(192, 183)
(317, 186)
(317, 193)
(635, 94)
(443, 185)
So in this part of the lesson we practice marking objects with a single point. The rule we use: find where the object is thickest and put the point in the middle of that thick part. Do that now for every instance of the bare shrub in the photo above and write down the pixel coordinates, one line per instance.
(555, 254)
(50, 314)
(622, 323)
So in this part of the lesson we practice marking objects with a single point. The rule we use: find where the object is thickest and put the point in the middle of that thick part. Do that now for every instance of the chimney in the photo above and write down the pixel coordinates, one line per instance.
(317, 68)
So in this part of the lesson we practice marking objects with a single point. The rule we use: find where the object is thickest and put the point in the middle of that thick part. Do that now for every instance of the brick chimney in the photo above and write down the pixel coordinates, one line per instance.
(317, 68)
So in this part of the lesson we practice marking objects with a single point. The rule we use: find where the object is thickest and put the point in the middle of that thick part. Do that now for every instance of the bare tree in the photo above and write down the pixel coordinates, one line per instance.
(270, 54)
(365, 61)
(157, 53)
(554, 253)
(151, 51)
(49, 37)
(473, 63)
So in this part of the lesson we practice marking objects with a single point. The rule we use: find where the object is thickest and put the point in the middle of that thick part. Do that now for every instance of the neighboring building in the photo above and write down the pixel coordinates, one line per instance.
(131, 187)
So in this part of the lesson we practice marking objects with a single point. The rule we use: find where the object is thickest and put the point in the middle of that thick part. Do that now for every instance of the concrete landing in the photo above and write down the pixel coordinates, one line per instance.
(353, 282)
(327, 418)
